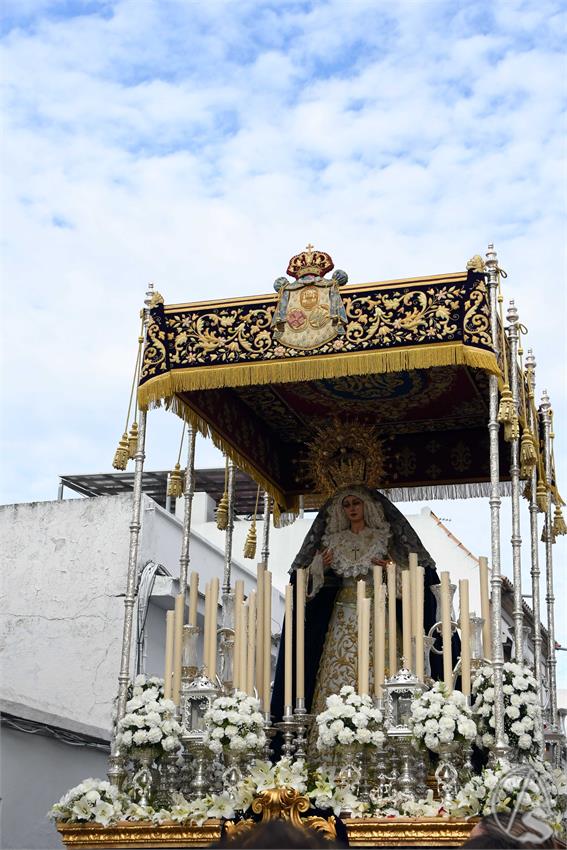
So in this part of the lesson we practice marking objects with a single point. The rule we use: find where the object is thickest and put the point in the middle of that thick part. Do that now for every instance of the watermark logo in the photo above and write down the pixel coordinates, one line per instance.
(528, 827)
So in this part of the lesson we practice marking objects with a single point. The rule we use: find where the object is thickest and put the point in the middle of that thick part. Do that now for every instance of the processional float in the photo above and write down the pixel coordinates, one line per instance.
(429, 363)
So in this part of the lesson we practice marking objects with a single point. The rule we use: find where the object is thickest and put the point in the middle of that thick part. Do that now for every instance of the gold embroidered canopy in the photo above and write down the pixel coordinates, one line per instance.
(261, 374)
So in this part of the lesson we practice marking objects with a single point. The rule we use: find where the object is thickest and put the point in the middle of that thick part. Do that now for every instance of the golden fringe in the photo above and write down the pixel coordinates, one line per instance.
(175, 486)
(528, 455)
(508, 415)
(250, 542)
(512, 431)
(313, 368)
(133, 440)
(121, 454)
(559, 527)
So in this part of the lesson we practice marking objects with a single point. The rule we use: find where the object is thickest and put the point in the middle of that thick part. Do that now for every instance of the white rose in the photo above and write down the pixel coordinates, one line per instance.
(230, 731)
(364, 736)
(431, 741)
(489, 695)
(431, 726)
(336, 726)
(154, 735)
(513, 712)
(445, 736)
(524, 742)
(139, 737)
(346, 736)
(446, 724)
(169, 743)
(215, 747)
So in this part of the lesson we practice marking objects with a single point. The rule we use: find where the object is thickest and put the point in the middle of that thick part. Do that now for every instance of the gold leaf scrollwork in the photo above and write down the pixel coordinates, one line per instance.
(476, 321)
(154, 351)
(285, 803)
(222, 336)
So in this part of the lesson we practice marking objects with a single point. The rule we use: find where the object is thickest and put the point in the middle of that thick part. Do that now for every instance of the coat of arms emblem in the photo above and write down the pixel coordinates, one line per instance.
(310, 311)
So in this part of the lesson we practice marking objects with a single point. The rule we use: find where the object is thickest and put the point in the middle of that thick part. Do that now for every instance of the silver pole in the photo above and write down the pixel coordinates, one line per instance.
(516, 539)
(188, 491)
(167, 496)
(549, 597)
(265, 553)
(534, 534)
(500, 746)
(229, 530)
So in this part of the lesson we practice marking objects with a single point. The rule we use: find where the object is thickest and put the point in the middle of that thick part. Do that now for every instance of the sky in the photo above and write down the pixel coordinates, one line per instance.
(200, 144)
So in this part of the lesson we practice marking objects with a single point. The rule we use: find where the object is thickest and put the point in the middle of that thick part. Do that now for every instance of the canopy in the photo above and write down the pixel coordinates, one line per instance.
(411, 358)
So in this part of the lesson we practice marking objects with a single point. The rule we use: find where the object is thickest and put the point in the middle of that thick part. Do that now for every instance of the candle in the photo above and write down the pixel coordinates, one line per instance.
(464, 623)
(167, 683)
(446, 630)
(238, 600)
(260, 569)
(485, 607)
(419, 636)
(213, 635)
(193, 598)
(413, 594)
(243, 645)
(267, 639)
(251, 643)
(177, 645)
(406, 619)
(365, 647)
(360, 595)
(392, 633)
(300, 635)
(207, 627)
(379, 636)
(288, 681)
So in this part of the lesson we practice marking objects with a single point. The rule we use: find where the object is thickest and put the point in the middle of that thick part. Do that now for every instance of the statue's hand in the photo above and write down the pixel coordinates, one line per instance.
(327, 557)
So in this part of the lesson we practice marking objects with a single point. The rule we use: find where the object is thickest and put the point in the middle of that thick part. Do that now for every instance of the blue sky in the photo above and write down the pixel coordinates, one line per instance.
(201, 144)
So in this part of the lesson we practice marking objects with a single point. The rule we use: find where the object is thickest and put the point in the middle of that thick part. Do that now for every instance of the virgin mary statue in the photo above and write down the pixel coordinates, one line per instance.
(356, 528)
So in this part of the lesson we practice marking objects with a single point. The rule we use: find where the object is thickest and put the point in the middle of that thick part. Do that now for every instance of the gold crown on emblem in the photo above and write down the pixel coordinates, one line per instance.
(310, 262)
(345, 454)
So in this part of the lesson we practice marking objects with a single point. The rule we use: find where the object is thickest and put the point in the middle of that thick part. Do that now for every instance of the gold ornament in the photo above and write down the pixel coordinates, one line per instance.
(221, 514)
(528, 456)
(541, 497)
(344, 454)
(476, 264)
(250, 542)
(507, 414)
(121, 454)
(512, 430)
(175, 486)
(133, 440)
(310, 262)
(559, 527)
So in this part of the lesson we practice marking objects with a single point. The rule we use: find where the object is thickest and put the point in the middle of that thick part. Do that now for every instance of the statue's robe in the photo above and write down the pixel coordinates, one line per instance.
(318, 610)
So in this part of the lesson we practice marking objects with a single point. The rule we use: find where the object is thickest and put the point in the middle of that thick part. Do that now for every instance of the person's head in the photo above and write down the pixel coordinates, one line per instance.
(353, 507)
(504, 830)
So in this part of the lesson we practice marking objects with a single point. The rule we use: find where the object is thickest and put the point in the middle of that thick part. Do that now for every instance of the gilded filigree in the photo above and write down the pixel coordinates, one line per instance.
(476, 321)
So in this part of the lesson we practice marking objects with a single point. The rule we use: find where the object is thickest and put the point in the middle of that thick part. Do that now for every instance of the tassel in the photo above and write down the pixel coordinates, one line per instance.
(133, 440)
(559, 527)
(544, 533)
(512, 430)
(541, 497)
(175, 486)
(527, 494)
(528, 456)
(506, 409)
(221, 515)
(121, 455)
(250, 542)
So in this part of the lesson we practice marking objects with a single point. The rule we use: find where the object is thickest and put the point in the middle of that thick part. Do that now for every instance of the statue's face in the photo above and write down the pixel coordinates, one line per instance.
(353, 507)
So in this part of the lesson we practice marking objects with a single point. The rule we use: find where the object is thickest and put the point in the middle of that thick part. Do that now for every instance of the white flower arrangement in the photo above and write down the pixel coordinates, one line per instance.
(349, 718)
(150, 719)
(522, 712)
(504, 790)
(441, 717)
(234, 723)
(92, 801)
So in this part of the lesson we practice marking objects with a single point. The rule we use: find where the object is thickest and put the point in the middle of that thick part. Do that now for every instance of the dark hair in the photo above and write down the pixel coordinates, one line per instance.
(504, 830)
(280, 834)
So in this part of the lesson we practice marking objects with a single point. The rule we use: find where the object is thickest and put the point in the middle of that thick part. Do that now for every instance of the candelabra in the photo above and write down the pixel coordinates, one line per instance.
(399, 693)
(303, 723)
(197, 697)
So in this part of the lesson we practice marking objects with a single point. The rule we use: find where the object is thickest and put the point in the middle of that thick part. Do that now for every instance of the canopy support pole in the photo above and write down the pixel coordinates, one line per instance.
(534, 533)
(516, 539)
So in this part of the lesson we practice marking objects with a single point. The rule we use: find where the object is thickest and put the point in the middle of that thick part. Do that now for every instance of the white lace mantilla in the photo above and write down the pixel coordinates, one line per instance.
(353, 552)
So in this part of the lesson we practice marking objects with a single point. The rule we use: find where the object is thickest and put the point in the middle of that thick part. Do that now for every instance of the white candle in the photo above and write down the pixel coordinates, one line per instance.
(406, 619)
(360, 595)
(419, 636)
(300, 635)
(446, 630)
(267, 638)
(251, 643)
(238, 600)
(213, 637)
(365, 647)
(260, 569)
(464, 623)
(288, 682)
(243, 645)
(485, 608)
(167, 678)
(413, 594)
(193, 598)
(379, 636)
(177, 645)
(392, 633)
(207, 627)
